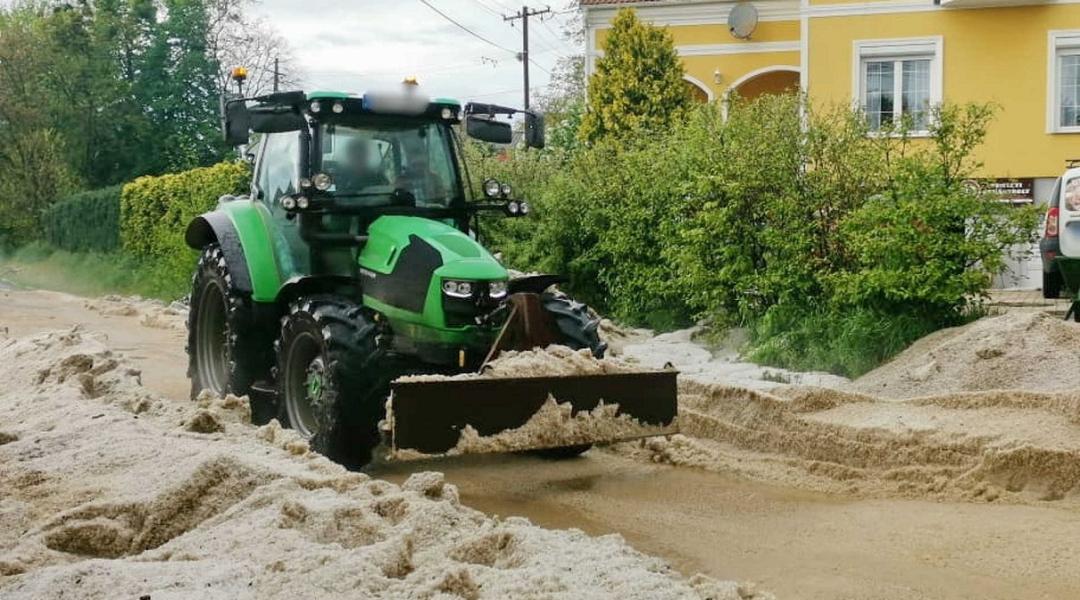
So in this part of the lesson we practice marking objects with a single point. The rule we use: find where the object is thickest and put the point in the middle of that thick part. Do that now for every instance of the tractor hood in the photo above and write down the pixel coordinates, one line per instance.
(426, 246)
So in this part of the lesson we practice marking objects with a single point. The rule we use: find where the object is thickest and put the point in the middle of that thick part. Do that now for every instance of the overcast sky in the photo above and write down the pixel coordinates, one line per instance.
(355, 45)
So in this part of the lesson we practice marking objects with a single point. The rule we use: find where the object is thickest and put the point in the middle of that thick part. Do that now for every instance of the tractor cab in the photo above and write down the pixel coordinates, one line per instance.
(335, 162)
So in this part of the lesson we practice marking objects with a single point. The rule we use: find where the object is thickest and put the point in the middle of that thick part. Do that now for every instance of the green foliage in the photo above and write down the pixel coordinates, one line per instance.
(96, 93)
(85, 222)
(638, 83)
(182, 94)
(835, 247)
(155, 212)
(928, 244)
(850, 342)
(32, 175)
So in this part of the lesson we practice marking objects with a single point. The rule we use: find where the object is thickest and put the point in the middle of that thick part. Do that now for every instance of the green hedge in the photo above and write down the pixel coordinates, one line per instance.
(85, 222)
(155, 212)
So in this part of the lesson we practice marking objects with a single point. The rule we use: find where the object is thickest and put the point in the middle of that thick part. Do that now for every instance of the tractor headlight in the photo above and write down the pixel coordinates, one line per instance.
(497, 289)
(513, 208)
(492, 188)
(525, 208)
(288, 203)
(457, 289)
(316, 106)
(506, 190)
(322, 181)
(338, 108)
(303, 203)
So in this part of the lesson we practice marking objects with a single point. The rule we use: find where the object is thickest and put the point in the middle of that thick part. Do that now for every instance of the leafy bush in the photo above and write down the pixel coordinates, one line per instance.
(33, 175)
(85, 222)
(836, 247)
(155, 212)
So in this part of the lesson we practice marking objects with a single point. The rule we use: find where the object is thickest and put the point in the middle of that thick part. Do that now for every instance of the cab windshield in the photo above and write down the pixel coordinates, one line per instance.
(384, 163)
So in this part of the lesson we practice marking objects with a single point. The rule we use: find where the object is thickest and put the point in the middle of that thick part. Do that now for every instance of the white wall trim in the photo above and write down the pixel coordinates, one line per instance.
(742, 48)
(691, 13)
(590, 52)
(1056, 40)
(869, 8)
(715, 13)
(804, 46)
(701, 84)
(908, 6)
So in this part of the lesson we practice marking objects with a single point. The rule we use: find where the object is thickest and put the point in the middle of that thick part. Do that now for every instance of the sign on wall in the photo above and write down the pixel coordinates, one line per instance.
(1013, 190)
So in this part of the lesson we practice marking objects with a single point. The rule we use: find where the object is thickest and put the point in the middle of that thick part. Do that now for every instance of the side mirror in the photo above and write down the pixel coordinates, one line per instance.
(488, 130)
(235, 122)
(276, 119)
(535, 136)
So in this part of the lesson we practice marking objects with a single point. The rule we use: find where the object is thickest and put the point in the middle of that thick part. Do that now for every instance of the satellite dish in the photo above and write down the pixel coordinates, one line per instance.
(742, 20)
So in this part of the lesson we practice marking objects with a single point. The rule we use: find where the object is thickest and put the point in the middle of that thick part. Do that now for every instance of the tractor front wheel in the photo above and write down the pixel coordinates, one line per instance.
(223, 356)
(330, 389)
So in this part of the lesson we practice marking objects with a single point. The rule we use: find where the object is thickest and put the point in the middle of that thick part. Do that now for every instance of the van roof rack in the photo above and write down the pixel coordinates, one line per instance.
(1072, 163)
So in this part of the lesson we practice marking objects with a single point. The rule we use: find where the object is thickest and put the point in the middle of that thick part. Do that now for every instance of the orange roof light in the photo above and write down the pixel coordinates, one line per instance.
(411, 80)
(239, 73)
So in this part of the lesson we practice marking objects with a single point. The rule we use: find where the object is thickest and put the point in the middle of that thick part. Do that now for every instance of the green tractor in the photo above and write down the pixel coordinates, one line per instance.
(354, 261)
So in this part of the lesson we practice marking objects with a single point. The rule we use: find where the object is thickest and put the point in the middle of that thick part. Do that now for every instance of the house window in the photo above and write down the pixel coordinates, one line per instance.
(898, 80)
(1063, 112)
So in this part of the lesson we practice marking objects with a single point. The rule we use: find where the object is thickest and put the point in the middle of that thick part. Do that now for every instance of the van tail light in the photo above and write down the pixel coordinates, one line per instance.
(1052, 223)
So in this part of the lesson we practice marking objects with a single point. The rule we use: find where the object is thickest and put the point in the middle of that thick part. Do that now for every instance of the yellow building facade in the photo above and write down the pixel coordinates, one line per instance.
(897, 58)
(893, 57)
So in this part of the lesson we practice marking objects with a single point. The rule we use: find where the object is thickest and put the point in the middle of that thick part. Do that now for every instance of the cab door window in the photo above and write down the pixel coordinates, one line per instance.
(279, 167)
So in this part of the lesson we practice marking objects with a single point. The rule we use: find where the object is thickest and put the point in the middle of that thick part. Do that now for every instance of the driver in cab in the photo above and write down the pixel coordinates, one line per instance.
(419, 180)
(359, 172)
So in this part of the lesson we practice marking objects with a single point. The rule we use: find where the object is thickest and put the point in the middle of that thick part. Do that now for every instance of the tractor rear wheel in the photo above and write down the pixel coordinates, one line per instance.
(578, 329)
(223, 356)
(329, 386)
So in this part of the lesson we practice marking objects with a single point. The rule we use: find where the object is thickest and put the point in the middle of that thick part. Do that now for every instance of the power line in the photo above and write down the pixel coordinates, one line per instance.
(466, 29)
(560, 38)
(539, 66)
(488, 8)
(500, 92)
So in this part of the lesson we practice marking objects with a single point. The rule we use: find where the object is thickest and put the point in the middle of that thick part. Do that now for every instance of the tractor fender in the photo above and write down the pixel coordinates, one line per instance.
(240, 231)
(535, 284)
(217, 227)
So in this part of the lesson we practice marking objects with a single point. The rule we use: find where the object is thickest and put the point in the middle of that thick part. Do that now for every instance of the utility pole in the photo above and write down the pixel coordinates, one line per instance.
(524, 15)
(277, 74)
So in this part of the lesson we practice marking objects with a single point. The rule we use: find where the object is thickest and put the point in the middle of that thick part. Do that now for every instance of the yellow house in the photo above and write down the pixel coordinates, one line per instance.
(894, 57)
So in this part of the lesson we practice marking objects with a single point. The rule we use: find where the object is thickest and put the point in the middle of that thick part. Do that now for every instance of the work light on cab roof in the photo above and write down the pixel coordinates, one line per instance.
(356, 259)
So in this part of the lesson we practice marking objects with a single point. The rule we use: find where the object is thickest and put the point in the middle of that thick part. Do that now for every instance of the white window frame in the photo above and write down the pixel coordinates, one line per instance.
(898, 49)
(1060, 43)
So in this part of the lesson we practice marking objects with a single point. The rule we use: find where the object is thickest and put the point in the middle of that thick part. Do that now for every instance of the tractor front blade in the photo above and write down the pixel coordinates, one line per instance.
(477, 415)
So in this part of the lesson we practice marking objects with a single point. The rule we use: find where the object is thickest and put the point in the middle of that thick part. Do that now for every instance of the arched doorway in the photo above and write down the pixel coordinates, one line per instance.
(779, 79)
(698, 90)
